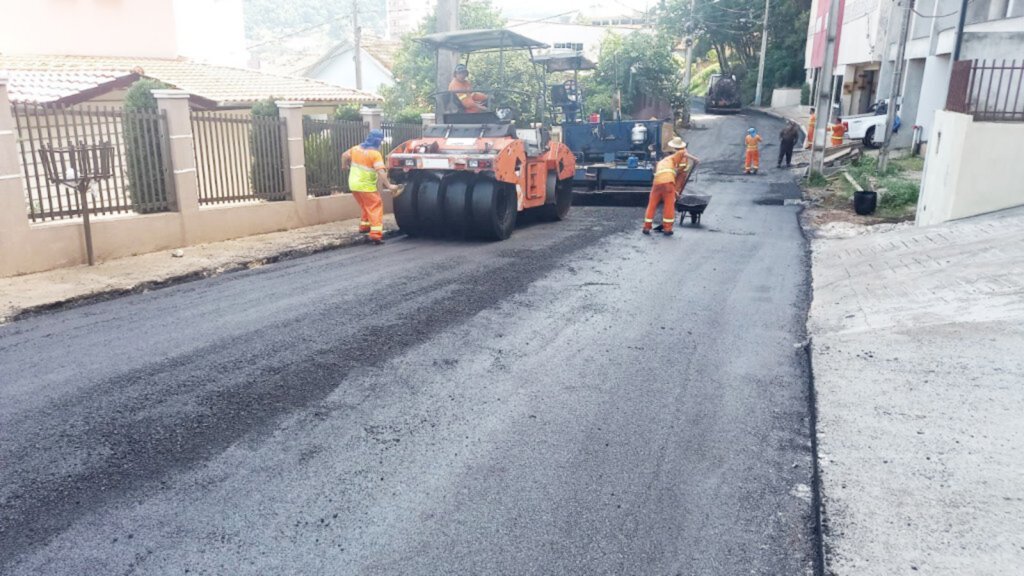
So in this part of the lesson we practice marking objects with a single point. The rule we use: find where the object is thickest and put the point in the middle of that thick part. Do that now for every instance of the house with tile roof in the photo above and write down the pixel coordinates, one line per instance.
(91, 52)
(337, 66)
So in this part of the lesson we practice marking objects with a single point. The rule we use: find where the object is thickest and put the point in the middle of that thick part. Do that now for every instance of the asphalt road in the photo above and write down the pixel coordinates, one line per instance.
(580, 399)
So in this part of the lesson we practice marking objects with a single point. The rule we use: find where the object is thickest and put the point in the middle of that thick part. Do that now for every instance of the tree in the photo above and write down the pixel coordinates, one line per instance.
(641, 67)
(732, 30)
(146, 184)
(415, 65)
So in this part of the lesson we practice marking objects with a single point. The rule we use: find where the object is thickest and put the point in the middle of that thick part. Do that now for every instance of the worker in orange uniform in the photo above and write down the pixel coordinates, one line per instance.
(460, 85)
(837, 131)
(366, 176)
(753, 157)
(669, 180)
(811, 123)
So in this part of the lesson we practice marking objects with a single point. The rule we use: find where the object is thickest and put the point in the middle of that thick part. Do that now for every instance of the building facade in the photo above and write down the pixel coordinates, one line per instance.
(204, 30)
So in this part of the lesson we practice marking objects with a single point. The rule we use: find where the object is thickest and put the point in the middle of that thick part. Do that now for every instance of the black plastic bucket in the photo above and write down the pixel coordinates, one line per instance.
(865, 201)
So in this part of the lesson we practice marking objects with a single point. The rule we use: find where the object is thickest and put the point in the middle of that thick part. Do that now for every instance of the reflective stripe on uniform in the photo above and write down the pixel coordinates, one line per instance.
(650, 220)
(666, 171)
(668, 220)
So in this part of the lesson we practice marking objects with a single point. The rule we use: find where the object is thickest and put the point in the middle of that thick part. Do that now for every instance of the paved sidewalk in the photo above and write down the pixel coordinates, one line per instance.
(44, 290)
(917, 338)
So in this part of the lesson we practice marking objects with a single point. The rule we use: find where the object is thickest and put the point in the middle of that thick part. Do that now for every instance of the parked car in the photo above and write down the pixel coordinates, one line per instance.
(870, 127)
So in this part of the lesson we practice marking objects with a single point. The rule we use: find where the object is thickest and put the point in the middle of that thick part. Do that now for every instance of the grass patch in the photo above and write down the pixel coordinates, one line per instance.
(816, 180)
(898, 192)
(909, 164)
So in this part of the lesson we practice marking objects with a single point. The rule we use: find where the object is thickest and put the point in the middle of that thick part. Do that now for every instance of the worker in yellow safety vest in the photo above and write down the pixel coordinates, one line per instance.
(366, 175)
(670, 177)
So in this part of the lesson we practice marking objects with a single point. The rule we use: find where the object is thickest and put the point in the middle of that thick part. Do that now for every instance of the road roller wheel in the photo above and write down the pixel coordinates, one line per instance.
(428, 206)
(405, 207)
(493, 207)
(563, 201)
(457, 218)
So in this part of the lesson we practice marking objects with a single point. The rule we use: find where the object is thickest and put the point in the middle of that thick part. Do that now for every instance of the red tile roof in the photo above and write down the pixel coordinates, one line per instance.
(61, 78)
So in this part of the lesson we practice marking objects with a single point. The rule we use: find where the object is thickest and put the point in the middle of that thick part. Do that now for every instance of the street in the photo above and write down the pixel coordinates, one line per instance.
(579, 399)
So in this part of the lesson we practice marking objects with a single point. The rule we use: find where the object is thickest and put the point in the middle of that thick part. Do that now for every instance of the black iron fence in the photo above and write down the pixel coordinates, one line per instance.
(240, 158)
(324, 142)
(140, 178)
(397, 133)
(988, 91)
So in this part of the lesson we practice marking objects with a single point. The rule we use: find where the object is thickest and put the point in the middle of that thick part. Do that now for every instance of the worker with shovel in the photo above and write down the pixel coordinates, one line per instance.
(670, 178)
(367, 174)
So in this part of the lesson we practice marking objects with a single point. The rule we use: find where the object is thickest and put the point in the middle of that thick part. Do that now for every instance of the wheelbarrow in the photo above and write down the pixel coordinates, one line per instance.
(692, 204)
(689, 203)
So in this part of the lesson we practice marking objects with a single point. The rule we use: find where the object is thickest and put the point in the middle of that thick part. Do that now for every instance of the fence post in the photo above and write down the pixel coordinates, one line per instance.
(372, 117)
(428, 119)
(174, 103)
(291, 111)
(14, 224)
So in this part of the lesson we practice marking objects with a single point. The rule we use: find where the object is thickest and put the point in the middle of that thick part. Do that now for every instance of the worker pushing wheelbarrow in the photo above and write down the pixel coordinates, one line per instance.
(670, 178)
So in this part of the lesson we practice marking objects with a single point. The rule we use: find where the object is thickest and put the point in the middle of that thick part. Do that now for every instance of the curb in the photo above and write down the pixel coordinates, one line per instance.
(104, 295)
(777, 116)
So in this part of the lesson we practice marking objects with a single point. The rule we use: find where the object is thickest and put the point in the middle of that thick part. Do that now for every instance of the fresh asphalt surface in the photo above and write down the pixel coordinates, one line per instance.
(580, 399)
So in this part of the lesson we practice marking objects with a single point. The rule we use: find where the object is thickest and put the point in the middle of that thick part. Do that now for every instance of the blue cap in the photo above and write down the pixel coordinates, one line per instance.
(751, 131)
(373, 139)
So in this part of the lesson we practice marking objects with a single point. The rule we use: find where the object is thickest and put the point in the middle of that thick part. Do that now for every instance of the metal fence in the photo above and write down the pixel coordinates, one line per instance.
(397, 133)
(240, 158)
(141, 175)
(989, 92)
(324, 142)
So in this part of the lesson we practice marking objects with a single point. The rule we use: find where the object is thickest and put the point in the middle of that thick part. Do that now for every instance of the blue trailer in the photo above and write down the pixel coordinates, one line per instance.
(621, 152)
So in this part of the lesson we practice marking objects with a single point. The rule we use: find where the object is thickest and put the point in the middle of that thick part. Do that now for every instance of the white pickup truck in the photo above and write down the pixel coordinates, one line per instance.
(870, 127)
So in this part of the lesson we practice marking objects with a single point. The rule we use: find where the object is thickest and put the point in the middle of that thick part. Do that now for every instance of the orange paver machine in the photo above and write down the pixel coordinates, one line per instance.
(472, 173)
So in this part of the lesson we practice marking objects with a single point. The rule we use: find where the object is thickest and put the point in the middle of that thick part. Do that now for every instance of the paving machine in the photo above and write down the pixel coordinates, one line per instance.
(472, 173)
(620, 152)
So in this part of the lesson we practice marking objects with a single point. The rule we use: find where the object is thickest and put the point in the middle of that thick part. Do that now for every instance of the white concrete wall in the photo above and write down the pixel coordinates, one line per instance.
(211, 31)
(859, 41)
(88, 27)
(784, 97)
(26, 247)
(970, 168)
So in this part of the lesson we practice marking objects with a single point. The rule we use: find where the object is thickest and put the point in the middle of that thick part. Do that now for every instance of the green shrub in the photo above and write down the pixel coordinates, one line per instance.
(347, 112)
(268, 170)
(899, 193)
(816, 179)
(409, 116)
(147, 188)
(805, 94)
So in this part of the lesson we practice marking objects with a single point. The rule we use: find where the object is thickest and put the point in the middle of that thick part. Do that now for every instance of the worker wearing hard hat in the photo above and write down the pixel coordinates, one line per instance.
(670, 177)
(460, 85)
(366, 175)
(752, 160)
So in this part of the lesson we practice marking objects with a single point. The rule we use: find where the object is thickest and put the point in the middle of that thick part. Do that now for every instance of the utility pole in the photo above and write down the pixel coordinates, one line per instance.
(357, 43)
(764, 50)
(897, 80)
(447, 21)
(689, 45)
(826, 87)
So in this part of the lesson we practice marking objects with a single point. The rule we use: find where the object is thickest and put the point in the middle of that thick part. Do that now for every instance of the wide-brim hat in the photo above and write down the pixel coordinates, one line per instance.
(676, 143)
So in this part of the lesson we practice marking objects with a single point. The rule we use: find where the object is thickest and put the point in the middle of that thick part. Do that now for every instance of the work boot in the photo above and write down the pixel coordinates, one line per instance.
(646, 232)
(667, 232)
